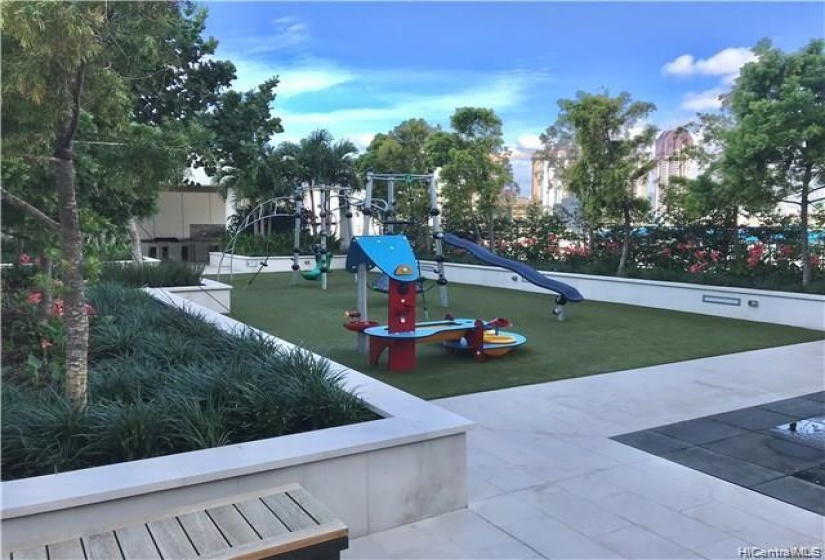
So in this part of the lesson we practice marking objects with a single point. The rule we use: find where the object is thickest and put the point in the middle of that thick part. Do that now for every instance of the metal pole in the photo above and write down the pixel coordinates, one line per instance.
(361, 291)
(324, 215)
(297, 197)
(439, 246)
(390, 229)
(367, 210)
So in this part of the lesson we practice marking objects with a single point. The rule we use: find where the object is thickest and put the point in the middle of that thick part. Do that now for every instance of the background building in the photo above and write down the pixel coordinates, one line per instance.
(671, 161)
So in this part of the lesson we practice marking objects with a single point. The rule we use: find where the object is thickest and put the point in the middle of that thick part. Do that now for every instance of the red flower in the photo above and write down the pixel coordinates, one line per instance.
(57, 308)
(667, 251)
(696, 268)
(25, 258)
(90, 310)
(714, 255)
(34, 298)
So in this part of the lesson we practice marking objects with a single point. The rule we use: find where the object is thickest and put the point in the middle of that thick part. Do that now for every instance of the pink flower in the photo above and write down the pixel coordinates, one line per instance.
(57, 308)
(714, 256)
(45, 343)
(667, 251)
(34, 298)
(699, 254)
(90, 310)
(696, 268)
(25, 258)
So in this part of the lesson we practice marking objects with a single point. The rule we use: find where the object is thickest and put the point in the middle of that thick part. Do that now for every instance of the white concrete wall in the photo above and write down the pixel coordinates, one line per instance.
(179, 210)
(241, 264)
(210, 294)
(784, 308)
(407, 466)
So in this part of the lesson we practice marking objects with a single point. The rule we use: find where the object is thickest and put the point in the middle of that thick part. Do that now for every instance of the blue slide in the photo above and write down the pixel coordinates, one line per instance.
(569, 293)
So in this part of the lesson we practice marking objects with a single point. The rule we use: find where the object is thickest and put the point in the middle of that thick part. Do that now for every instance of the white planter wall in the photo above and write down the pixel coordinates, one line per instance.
(239, 264)
(407, 466)
(783, 308)
(210, 294)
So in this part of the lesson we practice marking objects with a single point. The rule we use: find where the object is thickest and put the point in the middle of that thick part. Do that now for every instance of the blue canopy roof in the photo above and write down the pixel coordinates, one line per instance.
(392, 254)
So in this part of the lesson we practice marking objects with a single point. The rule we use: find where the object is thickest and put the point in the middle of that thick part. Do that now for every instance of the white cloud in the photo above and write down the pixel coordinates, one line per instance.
(529, 141)
(293, 80)
(723, 63)
(681, 66)
(704, 100)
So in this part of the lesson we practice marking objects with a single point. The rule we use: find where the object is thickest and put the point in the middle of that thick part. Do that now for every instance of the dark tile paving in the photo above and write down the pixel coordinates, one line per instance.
(796, 491)
(799, 407)
(723, 466)
(769, 451)
(699, 431)
(752, 447)
(650, 441)
(753, 418)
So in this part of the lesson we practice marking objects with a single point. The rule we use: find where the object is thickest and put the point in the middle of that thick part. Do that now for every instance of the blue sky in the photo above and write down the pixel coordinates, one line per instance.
(360, 68)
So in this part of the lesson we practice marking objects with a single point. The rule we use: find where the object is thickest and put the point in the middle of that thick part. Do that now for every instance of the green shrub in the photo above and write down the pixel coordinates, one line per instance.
(165, 274)
(162, 381)
(273, 245)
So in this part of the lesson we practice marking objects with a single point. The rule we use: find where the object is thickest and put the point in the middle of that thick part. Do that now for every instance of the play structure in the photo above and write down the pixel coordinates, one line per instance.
(393, 256)
(566, 293)
(334, 200)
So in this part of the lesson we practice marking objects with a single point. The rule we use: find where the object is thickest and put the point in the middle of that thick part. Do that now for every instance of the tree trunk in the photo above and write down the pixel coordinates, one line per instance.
(625, 243)
(803, 226)
(74, 301)
(134, 241)
(71, 245)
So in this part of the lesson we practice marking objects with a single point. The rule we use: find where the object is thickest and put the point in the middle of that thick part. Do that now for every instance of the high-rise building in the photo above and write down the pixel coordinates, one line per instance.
(546, 186)
(671, 161)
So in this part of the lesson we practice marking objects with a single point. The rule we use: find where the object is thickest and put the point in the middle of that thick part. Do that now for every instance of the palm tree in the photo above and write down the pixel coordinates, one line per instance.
(315, 160)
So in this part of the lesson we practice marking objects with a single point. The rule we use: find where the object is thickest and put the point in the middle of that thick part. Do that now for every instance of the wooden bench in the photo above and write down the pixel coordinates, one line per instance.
(288, 523)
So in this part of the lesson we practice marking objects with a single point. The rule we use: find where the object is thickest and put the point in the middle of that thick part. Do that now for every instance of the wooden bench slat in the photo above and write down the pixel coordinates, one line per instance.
(171, 539)
(289, 512)
(136, 542)
(202, 532)
(34, 553)
(265, 523)
(102, 546)
(285, 543)
(71, 549)
(311, 505)
(232, 524)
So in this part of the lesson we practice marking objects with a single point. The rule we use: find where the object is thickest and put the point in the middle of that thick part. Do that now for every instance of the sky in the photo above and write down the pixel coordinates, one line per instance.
(362, 68)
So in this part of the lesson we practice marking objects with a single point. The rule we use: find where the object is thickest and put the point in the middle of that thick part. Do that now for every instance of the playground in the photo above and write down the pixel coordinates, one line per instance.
(594, 339)
(434, 338)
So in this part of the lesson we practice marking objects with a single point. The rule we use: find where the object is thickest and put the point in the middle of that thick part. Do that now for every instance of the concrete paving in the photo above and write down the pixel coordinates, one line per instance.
(546, 480)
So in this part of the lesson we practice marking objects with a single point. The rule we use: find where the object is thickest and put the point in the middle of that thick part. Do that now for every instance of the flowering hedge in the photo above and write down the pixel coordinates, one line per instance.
(766, 258)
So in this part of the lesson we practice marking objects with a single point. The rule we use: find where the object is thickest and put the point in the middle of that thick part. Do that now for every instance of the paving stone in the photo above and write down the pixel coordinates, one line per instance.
(796, 491)
(753, 418)
(820, 396)
(652, 442)
(799, 407)
(723, 466)
(699, 431)
(637, 542)
(769, 452)
(814, 475)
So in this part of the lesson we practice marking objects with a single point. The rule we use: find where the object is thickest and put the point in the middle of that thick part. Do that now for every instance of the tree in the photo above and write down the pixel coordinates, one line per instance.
(778, 141)
(317, 160)
(612, 157)
(70, 69)
(240, 128)
(474, 167)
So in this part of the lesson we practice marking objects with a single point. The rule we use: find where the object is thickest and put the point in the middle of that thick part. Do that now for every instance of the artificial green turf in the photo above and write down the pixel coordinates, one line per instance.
(596, 337)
